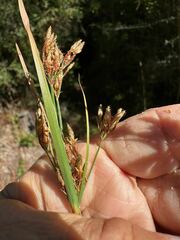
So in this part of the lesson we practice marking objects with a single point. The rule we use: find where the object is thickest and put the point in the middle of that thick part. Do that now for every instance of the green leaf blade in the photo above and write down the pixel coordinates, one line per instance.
(52, 116)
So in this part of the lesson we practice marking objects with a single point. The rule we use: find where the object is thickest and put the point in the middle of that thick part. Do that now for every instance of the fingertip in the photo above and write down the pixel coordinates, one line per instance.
(169, 117)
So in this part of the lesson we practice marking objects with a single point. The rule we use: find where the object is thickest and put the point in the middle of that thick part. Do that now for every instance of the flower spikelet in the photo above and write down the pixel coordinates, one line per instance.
(73, 156)
(71, 54)
(55, 63)
(52, 60)
(42, 128)
(107, 122)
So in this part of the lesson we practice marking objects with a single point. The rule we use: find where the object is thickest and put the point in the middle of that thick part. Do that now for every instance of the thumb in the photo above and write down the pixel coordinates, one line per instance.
(36, 224)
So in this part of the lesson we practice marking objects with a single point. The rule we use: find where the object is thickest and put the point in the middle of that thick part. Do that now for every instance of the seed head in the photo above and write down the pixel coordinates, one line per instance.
(52, 60)
(107, 119)
(100, 112)
(117, 117)
(77, 46)
(107, 122)
(73, 156)
(42, 128)
(66, 70)
(71, 137)
(71, 54)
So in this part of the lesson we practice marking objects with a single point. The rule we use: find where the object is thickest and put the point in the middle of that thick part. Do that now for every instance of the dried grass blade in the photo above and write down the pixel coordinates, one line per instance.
(26, 73)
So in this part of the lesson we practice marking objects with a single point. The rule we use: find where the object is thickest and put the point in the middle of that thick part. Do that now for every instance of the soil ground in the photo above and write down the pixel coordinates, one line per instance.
(19, 147)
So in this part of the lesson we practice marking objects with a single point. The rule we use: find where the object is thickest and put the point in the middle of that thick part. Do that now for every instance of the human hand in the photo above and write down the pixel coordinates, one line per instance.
(136, 177)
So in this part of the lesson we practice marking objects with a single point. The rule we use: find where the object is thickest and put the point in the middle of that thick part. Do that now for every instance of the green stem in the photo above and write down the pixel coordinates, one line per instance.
(52, 94)
(65, 169)
(59, 113)
(83, 181)
(96, 154)
(94, 160)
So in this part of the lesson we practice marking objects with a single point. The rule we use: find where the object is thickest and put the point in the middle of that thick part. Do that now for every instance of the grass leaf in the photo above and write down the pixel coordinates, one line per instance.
(84, 175)
(52, 116)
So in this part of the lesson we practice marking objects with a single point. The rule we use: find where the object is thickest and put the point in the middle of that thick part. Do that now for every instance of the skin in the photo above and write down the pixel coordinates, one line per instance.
(133, 192)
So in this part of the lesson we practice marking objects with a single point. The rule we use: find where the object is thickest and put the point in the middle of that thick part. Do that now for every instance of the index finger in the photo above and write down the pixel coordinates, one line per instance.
(147, 145)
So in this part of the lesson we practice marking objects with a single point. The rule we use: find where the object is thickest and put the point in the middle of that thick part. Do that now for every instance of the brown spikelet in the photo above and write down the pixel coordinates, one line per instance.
(61, 181)
(66, 70)
(70, 142)
(71, 54)
(71, 137)
(73, 156)
(99, 117)
(107, 122)
(100, 112)
(52, 60)
(42, 127)
(55, 63)
(77, 46)
(120, 113)
(107, 119)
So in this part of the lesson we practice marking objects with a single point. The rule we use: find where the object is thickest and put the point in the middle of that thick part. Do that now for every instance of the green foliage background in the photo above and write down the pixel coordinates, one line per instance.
(131, 58)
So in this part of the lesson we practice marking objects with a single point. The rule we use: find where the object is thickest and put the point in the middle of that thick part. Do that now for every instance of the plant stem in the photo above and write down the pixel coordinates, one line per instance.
(83, 181)
(94, 160)
(52, 94)
(59, 113)
(96, 154)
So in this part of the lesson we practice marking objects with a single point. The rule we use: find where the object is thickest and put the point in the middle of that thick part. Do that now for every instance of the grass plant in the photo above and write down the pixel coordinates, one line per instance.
(61, 149)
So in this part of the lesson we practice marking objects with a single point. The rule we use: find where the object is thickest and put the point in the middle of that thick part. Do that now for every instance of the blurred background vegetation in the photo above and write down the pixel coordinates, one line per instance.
(131, 58)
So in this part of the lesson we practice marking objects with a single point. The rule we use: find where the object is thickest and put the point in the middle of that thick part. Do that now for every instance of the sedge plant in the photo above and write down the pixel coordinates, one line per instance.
(71, 169)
